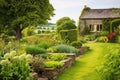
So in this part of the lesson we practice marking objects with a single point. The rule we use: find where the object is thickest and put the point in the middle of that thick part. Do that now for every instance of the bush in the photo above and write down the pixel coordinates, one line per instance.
(37, 64)
(53, 64)
(104, 33)
(101, 39)
(32, 49)
(76, 44)
(44, 45)
(68, 36)
(83, 39)
(15, 67)
(110, 69)
(90, 37)
(112, 37)
(66, 49)
(57, 57)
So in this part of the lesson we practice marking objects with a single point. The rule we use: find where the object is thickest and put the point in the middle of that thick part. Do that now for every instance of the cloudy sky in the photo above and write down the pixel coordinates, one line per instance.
(73, 8)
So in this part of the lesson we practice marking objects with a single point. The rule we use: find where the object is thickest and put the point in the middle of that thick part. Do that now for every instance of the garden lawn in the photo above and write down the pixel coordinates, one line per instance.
(85, 66)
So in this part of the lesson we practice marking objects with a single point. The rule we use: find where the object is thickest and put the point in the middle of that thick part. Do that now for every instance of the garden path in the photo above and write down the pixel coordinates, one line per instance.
(84, 67)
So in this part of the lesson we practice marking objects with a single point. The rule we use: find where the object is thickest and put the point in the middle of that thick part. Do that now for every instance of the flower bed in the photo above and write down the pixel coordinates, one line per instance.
(52, 73)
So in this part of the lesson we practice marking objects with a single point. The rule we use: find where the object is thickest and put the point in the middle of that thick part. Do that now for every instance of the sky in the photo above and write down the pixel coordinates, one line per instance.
(73, 8)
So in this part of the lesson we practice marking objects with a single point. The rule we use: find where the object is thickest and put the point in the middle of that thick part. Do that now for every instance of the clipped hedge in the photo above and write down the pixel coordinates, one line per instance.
(76, 44)
(68, 36)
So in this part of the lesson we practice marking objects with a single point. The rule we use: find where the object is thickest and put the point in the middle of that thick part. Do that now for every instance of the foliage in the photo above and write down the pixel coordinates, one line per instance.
(15, 67)
(112, 37)
(86, 29)
(101, 39)
(114, 24)
(65, 23)
(85, 9)
(76, 44)
(37, 63)
(39, 38)
(68, 36)
(57, 57)
(28, 31)
(104, 33)
(110, 69)
(65, 49)
(91, 37)
(53, 64)
(17, 15)
(106, 24)
(34, 50)
(118, 39)
(51, 49)
(44, 45)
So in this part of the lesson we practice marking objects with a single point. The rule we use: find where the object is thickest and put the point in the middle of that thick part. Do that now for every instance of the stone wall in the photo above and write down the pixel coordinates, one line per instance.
(52, 73)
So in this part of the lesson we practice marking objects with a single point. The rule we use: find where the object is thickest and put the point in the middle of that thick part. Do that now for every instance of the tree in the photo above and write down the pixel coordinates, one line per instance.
(65, 23)
(19, 14)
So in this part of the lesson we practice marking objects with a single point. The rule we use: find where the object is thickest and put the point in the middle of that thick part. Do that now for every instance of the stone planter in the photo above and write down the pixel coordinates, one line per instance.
(52, 73)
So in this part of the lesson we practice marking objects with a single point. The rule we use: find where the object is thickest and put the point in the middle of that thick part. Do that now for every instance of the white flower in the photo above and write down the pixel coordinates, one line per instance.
(2, 62)
(29, 58)
(7, 56)
(13, 53)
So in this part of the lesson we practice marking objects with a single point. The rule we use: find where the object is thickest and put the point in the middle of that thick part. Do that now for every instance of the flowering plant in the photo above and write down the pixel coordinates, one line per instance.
(111, 37)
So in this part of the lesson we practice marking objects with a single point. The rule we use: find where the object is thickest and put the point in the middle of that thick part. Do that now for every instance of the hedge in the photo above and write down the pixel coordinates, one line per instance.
(68, 36)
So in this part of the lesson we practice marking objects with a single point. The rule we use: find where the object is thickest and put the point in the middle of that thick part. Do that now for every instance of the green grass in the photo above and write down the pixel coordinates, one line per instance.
(84, 67)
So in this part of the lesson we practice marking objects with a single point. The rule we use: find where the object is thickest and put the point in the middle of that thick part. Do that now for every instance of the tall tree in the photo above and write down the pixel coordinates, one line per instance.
(65, 23)
(19, 14)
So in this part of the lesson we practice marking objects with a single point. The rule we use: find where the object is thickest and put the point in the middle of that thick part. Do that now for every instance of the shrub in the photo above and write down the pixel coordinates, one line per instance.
(101, 39)
(83, 39)
(110, 69)
(104, 33)
(51, 49)
(32, 49)
(112, 37)
(53, 64)
(65, 49)
(68, 36)
(37, 64)
(76, 44)
(57, 57)
(44, 45)
(15, 67)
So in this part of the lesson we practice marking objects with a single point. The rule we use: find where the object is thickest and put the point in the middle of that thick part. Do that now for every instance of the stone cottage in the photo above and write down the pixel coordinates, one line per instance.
(93, 18)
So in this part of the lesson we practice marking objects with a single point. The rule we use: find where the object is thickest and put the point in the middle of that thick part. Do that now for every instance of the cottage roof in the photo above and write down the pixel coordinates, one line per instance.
(100, 13)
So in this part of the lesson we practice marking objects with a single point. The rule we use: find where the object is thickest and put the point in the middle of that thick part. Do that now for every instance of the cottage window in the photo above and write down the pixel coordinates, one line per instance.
(91, 27)
(99, 27)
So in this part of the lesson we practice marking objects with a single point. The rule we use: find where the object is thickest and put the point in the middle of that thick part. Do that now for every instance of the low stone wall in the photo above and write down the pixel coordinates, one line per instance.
(82, 50)
(52, 73)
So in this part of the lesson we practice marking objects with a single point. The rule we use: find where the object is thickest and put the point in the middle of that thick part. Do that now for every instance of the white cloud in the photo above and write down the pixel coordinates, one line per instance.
(60, 4)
